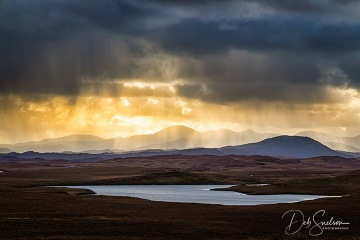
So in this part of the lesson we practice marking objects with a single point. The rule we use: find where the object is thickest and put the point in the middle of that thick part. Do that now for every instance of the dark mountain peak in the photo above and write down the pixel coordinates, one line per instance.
(291, 140)
(295, 143)
(289, 146)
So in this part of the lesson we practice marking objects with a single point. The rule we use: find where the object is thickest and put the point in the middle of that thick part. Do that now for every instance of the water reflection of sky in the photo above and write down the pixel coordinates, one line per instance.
(195, 194)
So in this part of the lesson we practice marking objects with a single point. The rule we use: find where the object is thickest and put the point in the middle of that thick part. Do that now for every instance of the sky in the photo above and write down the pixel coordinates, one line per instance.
(125, 67)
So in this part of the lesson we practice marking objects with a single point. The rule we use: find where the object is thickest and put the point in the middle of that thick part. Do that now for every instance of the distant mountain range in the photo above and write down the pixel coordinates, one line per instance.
(280, 146)
(175, 137)
(172, 138)
(5, 150)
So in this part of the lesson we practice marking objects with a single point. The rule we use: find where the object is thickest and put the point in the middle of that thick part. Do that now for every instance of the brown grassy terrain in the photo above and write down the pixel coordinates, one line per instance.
(28, 210)
(232, 169)
(348, 183)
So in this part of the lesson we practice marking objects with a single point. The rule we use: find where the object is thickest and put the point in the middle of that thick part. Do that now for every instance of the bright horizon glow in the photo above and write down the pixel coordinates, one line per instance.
(136, 113)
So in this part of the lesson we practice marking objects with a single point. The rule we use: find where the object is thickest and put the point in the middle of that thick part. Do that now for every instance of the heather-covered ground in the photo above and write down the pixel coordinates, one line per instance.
(31, 211)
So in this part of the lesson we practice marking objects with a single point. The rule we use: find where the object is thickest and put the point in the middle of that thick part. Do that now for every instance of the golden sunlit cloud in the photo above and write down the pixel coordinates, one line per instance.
(152, 101)
(125, 102)
(126, 121)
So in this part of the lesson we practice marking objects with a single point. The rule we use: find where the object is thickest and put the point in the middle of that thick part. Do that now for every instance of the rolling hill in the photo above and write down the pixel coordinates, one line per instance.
(280, 146)
(285, 146)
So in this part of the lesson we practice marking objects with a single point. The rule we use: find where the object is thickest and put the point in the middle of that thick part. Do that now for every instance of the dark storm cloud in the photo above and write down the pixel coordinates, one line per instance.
(292, 78)
(243, 67)
(58, 18)
(198, 37)
(51, 47)
(305, 5)
(287, 5)
(351, 66)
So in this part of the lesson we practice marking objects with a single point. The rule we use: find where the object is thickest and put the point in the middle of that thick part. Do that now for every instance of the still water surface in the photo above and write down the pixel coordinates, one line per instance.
(195, 194)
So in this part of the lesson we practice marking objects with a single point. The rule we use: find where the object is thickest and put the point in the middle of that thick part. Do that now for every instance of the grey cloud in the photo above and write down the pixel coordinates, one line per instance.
(285, 92)
(250, 67)
(58, 18)
(198, 37)
(252, 76)
(350, 66)
(285, 5)
(290, 49)
(306, 5)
